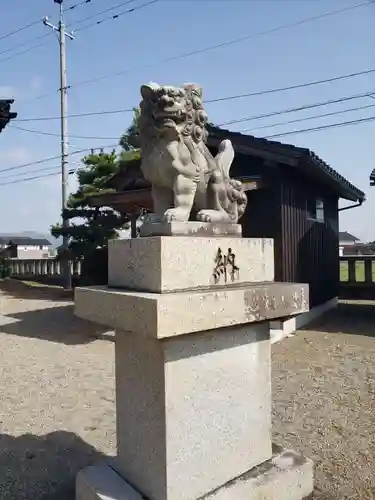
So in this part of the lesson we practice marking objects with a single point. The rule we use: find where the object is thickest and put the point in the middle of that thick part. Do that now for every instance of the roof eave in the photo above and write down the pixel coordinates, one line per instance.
(291, 155)
(339, 184)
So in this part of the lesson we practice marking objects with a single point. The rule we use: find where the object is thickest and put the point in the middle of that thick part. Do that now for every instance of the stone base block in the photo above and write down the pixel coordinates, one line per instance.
(162, 264)
(171, 314)
(190, 228)
(286, 476)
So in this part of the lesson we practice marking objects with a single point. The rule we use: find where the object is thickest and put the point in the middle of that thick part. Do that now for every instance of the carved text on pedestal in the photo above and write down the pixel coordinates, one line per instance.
(225, 266)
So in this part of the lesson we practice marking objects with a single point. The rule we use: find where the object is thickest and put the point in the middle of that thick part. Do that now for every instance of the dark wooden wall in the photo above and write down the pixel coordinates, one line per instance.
(310, 250)
(306, 251)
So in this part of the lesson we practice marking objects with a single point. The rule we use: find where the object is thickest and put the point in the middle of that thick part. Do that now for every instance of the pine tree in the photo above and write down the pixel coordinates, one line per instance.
(90, 227)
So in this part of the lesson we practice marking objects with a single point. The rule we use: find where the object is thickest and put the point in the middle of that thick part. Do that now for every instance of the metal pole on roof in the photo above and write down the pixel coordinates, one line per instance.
(60, 29)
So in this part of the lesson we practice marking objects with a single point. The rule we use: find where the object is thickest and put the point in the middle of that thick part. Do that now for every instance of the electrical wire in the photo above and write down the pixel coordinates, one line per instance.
(213, 47)
(333, 113)
(41, 132)
(323, 127)
(76, 115)
(293, 87)
(26, 179)
(312, 129)
(72, 7)
(224, 44)
(79, 21)
(18, 30)
(299, 108)
(22, 45)
(239, 120)
(116, 16)
(297, 120)
(43, 160)
(32, 47)
(44, 169)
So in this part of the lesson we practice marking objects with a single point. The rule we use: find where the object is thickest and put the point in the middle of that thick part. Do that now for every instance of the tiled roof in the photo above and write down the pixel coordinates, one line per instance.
(24, 241)
(345, 236)
(342, 186)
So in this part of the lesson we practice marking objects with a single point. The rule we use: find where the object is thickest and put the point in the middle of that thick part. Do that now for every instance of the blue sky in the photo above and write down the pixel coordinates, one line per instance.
(140, 40)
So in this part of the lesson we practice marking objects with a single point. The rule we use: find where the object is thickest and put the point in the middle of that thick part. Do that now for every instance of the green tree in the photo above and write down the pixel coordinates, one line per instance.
(91, 227)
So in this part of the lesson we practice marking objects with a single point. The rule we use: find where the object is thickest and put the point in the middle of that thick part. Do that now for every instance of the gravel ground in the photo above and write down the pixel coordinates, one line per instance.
(57, 411)
(324, 400)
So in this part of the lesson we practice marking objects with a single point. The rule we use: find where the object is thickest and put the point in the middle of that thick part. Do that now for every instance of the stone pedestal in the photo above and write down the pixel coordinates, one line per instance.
(193, 386)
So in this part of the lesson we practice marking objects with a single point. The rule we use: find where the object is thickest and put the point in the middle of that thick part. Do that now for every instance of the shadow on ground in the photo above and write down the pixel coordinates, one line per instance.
(43, 467)
(56, 324)
(352, 317)
(23, 290)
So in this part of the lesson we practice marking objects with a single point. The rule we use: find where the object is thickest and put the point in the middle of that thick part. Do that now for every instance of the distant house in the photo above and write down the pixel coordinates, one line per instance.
(18, 247)
(346, 239)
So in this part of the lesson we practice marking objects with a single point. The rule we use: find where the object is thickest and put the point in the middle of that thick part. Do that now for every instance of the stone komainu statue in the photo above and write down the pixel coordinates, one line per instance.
(187, 181)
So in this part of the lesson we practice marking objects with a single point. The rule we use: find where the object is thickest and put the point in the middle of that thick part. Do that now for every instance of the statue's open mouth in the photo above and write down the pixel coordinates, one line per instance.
(168, 118)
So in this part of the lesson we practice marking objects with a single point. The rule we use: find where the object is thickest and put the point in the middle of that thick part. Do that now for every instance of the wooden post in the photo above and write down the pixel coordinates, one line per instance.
(368, 270)
(351, 270)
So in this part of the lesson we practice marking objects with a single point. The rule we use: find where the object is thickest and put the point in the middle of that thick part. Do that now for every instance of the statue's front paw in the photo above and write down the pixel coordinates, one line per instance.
(216, 216)
(176, 214)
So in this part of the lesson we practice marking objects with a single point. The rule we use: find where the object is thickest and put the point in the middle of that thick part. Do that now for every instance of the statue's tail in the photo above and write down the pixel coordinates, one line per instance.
(224, 157)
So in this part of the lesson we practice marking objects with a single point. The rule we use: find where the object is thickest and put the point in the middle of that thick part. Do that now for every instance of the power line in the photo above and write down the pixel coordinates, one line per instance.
(265, 115)
(25, 51)
(334, 113)
(18, 181)
(32, 47)
(18, 30)
(224, 44)
(116, 16)
(77, 115)
(293, 87)
(213, 47)
(23, 44)
(43, 160)
(239, 120)
(72, 7)
(323, 127)
(43, 169)
(312, 129)
(324, 115)
(100, 13)
(299, 108)
(41, 132)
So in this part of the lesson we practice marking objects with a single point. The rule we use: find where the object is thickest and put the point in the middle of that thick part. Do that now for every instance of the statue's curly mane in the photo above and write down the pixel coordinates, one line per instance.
(196, 118)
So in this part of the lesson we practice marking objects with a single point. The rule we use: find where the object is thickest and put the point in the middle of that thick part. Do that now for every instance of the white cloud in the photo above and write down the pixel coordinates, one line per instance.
(15, 156)
(36, 83)
(8, 92)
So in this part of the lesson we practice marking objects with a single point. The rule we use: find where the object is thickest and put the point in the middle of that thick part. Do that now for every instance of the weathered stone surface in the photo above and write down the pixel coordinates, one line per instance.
(191, 228)
(164, 264)
(172, 314)
(286, 476)
(196, 403)
(175, 160)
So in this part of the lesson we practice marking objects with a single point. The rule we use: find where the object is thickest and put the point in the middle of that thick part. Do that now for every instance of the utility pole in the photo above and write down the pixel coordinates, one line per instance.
(60, 29)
